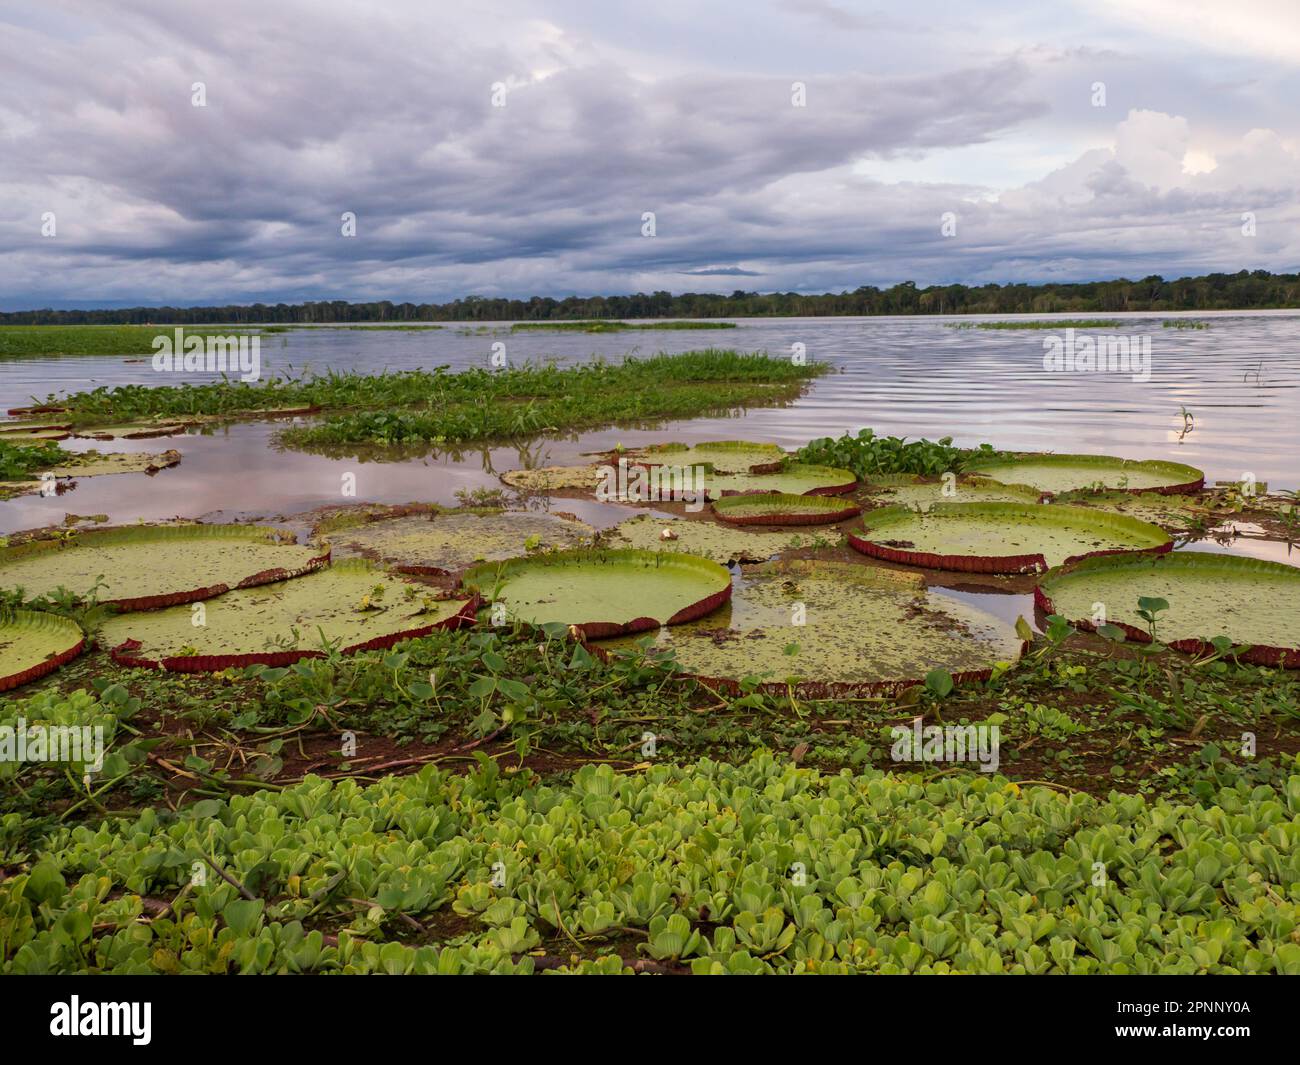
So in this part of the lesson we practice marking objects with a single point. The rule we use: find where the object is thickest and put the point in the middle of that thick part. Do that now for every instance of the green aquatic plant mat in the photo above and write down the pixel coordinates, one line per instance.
(827, 628)
(721, 543)
(33, 644)
(794, 478)
(922, 493)
(444, 542)
(1000, 537)
(1248, 600)
(603, 592)
(553, 478)
(780, 508)
(1071, 473)
(350, 606)
(919, 871)
(722, 456)
(148, 567)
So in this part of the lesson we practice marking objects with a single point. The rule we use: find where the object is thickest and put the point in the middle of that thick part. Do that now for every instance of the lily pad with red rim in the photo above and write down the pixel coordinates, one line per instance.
(604, 592)
(1070, 473)
(722, 456)
(834, 628)
(1000, 537)
(781, 508)
(147, 567)
(350, 606)
(34, 644)
(1248, 600)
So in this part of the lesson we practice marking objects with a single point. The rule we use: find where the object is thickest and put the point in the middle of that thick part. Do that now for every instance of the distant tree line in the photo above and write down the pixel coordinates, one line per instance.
(1240, 291)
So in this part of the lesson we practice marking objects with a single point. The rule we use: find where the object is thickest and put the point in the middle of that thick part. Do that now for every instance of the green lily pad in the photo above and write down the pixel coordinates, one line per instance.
(923, 494)
(147, 567)
(1070, 473)
(864, 628)
(443, 542)
(553, 478)
(1169, 511)
(794, 478)
(722, 456)
(35, 436)
(1000, 537)
(132, 431)
(779, 508)
(33, 644)
(1250, 601)
(95, 464)
(721, 543)
(602, 592)
(352, 605)
(38, 426)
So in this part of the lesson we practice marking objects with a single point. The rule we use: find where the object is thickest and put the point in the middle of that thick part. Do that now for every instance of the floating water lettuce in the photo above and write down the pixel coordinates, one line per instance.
(1069, 473)
(833, 627)
(1248, 600)
(439, 541)
(352, 605)
(1000, 537)
(147, 567)
(604, 592)
(780, 508)
(33, 644)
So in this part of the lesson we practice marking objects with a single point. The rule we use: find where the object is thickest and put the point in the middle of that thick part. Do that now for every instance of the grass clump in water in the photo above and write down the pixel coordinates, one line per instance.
(37, 341)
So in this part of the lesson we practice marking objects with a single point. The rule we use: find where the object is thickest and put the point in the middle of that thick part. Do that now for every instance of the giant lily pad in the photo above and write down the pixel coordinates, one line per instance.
(918, 492)
(604, 593)
(1248, 600)
(34, 436)
(707, 539)
(132, 431)
(1069, 473)
(33, 644)
(553, 478)
(444, 542)
(780, 508)
(863, 629)
(147, 567)
(722, 456)
(352, 606)
(1000, 537)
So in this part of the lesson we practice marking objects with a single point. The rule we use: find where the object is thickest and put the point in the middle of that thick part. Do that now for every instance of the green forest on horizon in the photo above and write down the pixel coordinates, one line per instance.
(1245, 290)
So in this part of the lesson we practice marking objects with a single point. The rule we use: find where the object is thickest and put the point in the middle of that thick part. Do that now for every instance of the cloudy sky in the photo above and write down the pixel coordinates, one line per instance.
(515, 148)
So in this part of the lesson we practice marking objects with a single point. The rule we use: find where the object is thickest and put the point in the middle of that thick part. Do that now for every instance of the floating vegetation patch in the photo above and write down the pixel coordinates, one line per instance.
(721, 456)
(721, 543)
(33, 644)
(604, 592)
(864, 629)
(923, 494)
(446, 541)
(350, 606)
(1207, 595)
(148, 567)
(1000, 537)
(33, 436)
(1071, 473)
(553, 478)
(779, 508)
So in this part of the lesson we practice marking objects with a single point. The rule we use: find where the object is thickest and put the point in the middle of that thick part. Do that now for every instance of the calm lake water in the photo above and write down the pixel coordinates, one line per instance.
(901, 376)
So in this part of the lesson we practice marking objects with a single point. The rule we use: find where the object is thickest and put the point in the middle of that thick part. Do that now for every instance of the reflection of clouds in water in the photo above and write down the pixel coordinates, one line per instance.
(905, 377)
